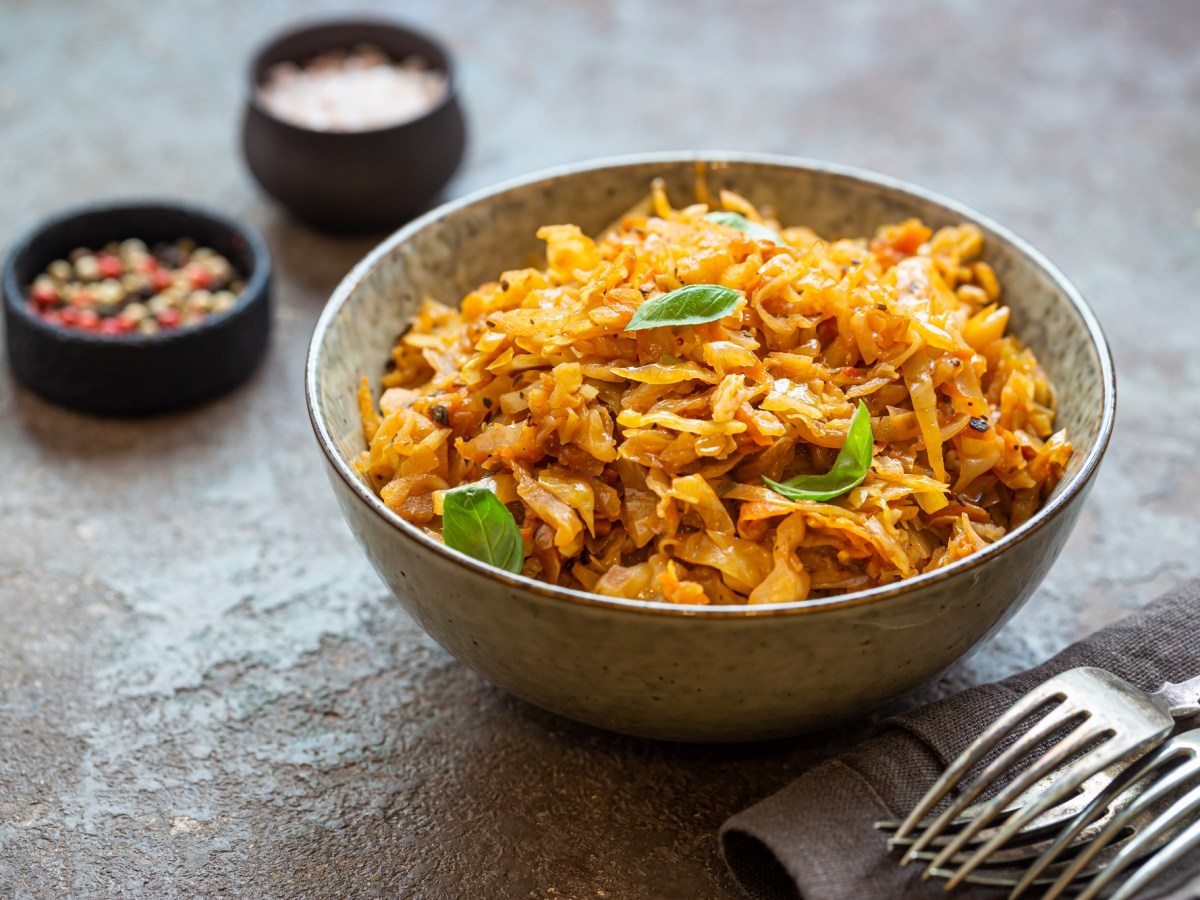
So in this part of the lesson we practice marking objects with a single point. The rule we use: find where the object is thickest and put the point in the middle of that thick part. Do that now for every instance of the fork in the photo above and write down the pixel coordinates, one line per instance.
(1107, 722)
(1013, 866)
(1151, 780)
(1027, 845)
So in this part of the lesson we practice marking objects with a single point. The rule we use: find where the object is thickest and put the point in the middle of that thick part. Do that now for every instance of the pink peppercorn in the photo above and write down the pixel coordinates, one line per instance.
(110, 266)
(199, 276)
(160, 280)
(44, 293)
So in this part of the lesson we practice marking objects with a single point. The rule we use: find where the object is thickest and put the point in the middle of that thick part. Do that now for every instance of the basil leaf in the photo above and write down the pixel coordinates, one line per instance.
(848, 471)
(476, 523)
(741, 223)
(692, 304)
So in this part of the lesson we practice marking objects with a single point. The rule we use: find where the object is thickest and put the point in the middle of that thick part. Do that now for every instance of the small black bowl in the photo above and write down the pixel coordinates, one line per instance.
(133, 374)
(353, 181)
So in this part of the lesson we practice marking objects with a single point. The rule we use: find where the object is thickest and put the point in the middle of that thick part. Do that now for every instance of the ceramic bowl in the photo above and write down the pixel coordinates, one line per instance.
(359, 180)
(716, 673)
(133, 374)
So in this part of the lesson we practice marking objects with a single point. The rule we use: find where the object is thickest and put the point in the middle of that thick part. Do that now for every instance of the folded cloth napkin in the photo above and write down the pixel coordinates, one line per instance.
(815, 838)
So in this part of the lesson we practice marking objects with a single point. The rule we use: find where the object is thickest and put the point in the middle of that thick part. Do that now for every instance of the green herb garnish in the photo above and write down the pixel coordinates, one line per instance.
(849, 469)
(692, 304)
(741, 223)
(476, 523)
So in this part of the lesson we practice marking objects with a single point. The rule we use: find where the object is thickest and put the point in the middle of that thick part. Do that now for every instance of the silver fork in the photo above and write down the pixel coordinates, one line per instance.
(1010, 866)
(1110, 722)
(1171, 773)
(1028, 844)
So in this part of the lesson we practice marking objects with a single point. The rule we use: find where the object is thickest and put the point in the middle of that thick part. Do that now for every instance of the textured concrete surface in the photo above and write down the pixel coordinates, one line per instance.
(203, 688)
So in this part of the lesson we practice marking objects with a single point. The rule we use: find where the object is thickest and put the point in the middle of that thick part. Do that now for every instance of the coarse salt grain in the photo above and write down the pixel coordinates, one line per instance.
(357, 91)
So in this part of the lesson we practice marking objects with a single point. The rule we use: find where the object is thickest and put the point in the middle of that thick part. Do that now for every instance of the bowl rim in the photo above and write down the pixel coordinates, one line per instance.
(366, 22)
(1070, 489)
(257, 280)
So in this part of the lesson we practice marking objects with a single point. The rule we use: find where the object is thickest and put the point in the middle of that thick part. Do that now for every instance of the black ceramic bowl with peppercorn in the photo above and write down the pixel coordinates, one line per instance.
(353, 125)
(136, 308)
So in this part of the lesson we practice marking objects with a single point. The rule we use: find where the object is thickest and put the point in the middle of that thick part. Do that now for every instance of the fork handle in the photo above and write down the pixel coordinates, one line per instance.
(1181, 700)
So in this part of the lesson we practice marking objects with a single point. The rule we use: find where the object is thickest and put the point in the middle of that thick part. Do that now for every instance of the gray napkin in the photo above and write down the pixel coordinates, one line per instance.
(815, 838)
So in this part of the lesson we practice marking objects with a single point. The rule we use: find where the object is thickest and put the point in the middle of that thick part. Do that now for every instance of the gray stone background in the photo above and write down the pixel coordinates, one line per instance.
(203, 687)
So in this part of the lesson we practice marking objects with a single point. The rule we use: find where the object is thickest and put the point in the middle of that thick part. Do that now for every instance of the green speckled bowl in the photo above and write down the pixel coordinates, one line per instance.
(715, 673)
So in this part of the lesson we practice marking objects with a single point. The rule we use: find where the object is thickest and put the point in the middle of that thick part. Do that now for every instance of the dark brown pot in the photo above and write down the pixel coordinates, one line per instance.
(353, 181)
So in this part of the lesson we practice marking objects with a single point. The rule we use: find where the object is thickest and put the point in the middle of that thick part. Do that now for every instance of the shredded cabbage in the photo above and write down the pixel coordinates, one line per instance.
(633, 461)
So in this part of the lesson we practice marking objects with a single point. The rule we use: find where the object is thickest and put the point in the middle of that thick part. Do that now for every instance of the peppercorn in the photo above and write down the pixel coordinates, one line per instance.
(198, 275)
(170, 255)
(87, 268)
(198, 301)
(110, 266)
(160, 280)
(133, 248)
(44, 291)
(219, 269)
(109, 292)
(162, 302)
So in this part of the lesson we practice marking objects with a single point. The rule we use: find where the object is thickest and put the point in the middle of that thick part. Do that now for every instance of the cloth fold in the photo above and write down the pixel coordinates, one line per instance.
(816, 840)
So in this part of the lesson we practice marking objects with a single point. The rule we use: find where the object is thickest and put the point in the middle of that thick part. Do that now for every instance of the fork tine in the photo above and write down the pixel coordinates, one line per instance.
(1002, 878)
(1063, 788)
(1150, 796)
(1016, 855)
(1043, 829)
(1054, 720)
(1050, 723)
(1022, 850)
(977, 749)
(1143, 768)
(1172, 852)
(1186, 804)
(1008, 876)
